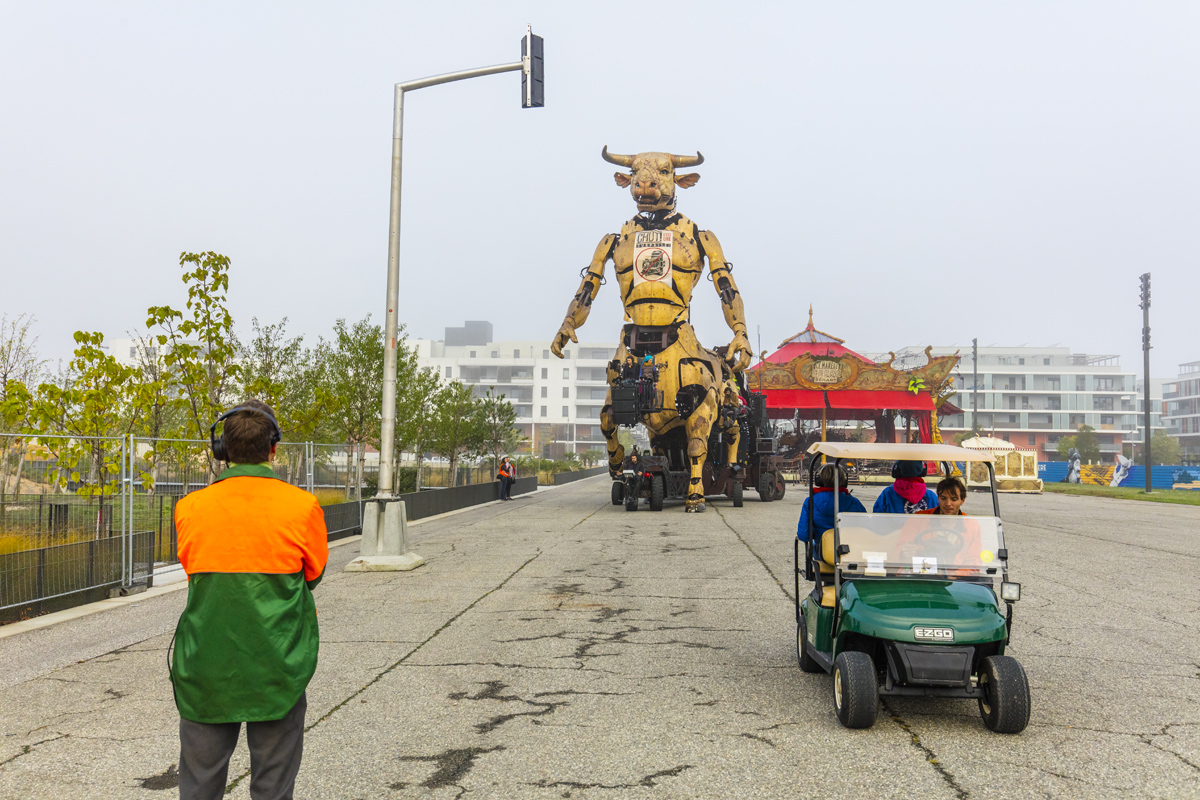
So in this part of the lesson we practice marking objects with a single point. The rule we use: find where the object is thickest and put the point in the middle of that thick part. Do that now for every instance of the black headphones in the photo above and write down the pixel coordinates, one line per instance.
(896, 470)
(218, 444)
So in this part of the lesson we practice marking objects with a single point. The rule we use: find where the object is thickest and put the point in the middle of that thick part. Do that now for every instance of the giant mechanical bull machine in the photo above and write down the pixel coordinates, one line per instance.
(659, 258)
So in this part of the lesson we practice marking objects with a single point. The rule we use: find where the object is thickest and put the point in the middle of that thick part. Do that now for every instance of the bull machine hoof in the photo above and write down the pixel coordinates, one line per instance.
(695, 507)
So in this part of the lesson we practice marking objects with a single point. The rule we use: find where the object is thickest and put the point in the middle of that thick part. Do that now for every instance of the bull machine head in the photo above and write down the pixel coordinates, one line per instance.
(652, 179)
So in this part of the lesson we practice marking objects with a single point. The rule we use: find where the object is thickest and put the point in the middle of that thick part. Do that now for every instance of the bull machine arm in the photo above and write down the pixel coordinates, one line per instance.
(737, 355)
(581, 305)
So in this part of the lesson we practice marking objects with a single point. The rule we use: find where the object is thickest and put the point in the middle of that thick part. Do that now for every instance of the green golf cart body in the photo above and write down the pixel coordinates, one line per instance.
(909, 605)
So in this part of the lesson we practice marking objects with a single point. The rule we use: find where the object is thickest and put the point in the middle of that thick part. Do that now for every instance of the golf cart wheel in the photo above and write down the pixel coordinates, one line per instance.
(807, 664)
(735, 493)
(657, 492)
(780, 488)
(618, 493)
(766, 487)
(855, 690)
(1005, 702)
(631, 498)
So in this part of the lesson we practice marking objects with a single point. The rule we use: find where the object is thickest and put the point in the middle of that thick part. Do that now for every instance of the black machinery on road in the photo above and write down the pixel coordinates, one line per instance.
(663, 473)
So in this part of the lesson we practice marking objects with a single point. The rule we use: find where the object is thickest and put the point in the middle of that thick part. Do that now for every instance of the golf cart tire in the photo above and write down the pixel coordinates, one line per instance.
(735, 494)
(766, 487)
(631, 499)
(657, 493)
(618, 493)
(855, 690)
(807, 664)
(1005, 702)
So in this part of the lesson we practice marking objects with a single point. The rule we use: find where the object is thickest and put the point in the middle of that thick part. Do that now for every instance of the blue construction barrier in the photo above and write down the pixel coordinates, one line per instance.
(1162, 476)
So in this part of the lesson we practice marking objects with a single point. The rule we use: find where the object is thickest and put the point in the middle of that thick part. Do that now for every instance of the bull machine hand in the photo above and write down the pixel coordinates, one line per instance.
(658, 257)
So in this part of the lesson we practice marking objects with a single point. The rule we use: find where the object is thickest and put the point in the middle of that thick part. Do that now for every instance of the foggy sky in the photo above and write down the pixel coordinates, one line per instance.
(921, 172)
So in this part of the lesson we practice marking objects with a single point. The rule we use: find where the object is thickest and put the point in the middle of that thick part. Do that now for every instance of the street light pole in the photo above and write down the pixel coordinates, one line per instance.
(385, 532)
(1145, 306)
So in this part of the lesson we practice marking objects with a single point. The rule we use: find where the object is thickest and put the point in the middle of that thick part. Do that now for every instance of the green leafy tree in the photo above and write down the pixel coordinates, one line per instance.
(1064, 447)
(1087, 443)
(457, 432)
(593, 457)
(201, 350)
(416, 415)
(498, 424)
(281, 372)
(351, 381)
(1164, 449)
(97, 398)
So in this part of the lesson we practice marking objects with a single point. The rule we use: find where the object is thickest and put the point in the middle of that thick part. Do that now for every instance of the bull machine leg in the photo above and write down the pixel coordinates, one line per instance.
(616, 450)
(698, 426)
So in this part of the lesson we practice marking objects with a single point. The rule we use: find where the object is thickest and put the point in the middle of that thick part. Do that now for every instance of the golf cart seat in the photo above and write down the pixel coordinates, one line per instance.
(827, 597)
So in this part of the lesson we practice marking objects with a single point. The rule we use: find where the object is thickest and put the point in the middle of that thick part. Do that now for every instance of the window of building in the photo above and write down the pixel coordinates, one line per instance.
(545, 354)
(566, 353)
(567, 373)
(566, 391)
(516, 353)
(544, 392)
(1020, 361)
(545, 373)
(1045, 362)
(1012, 417)
(1104, 384)
(495, 354)
(566, 411)
(449, 372)
(1102, 404)
(472, 354)
(1032, 439)
(1081, 383)
(543, 411)
(1004, 360)
(133, 352)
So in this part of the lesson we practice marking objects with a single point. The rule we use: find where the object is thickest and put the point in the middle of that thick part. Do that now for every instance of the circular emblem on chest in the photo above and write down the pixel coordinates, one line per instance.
(653, 264)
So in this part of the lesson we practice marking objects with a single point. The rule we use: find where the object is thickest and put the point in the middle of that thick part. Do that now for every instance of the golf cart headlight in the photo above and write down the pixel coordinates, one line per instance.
(1010, 591)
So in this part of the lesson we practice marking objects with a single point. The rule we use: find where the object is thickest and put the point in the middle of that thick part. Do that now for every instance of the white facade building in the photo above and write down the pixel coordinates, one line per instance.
(557, 401)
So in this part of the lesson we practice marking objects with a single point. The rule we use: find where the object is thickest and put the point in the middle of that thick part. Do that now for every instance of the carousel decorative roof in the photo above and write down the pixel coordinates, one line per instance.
(811, 340)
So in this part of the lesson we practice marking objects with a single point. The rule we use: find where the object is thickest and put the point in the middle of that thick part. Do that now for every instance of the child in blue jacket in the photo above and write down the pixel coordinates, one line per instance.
(820, 504)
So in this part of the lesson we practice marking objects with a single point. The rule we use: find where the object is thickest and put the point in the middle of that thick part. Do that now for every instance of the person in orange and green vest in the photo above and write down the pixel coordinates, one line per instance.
(253, 548)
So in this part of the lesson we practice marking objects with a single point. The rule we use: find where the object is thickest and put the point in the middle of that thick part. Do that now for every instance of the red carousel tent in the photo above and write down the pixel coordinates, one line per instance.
(813, 375)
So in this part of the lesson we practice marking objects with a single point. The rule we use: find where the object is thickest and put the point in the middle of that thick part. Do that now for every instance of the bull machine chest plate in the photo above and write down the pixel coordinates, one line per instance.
(652, 257)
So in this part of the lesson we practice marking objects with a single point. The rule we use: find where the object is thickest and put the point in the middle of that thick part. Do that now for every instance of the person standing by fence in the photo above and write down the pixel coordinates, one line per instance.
(508, 474)
(253, 548)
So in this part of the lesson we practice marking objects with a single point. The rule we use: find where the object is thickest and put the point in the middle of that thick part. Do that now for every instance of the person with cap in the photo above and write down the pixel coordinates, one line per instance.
(908, 493)
(245, 649)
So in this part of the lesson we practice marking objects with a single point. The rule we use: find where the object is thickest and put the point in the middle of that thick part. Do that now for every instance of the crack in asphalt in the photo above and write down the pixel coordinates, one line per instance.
(491, 691)
(648, 781)
(452, 766)
(746, 544)
(28, 748)
(927, 751)
(233, 784)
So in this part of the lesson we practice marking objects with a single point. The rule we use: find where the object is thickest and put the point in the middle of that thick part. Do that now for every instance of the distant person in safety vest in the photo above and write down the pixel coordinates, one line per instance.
(253, 548)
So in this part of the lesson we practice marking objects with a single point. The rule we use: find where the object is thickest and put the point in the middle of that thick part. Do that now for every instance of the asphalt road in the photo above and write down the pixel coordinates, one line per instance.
(562, 647)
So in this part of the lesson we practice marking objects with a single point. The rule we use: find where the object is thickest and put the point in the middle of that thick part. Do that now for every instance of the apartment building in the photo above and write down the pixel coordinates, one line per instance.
(557, 401)
(1034, 396)
(1181, 413)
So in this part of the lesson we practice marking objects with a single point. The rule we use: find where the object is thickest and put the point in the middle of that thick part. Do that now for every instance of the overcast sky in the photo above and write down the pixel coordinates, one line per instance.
(920, 172)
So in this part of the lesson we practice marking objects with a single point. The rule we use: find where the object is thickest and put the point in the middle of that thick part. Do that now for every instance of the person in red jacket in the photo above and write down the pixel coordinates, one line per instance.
(253, 548)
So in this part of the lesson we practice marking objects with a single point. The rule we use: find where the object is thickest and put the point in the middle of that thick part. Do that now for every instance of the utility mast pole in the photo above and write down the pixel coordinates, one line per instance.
(974, 384)
(1145, 306)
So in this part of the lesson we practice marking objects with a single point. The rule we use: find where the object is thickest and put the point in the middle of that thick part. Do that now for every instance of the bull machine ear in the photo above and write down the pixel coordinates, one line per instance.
(622, 179)
(687, 181)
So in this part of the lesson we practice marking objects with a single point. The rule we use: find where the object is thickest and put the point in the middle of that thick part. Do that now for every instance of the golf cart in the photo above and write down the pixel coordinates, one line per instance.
(909, 605)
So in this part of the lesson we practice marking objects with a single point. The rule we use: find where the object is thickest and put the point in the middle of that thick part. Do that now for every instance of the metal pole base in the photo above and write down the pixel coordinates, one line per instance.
(385, 540)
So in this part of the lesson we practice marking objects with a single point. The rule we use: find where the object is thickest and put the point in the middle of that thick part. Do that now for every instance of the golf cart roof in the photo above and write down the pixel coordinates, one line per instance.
(899, 452)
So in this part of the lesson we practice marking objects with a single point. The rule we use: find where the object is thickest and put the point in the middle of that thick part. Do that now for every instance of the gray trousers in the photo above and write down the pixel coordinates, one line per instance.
(275, 750)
